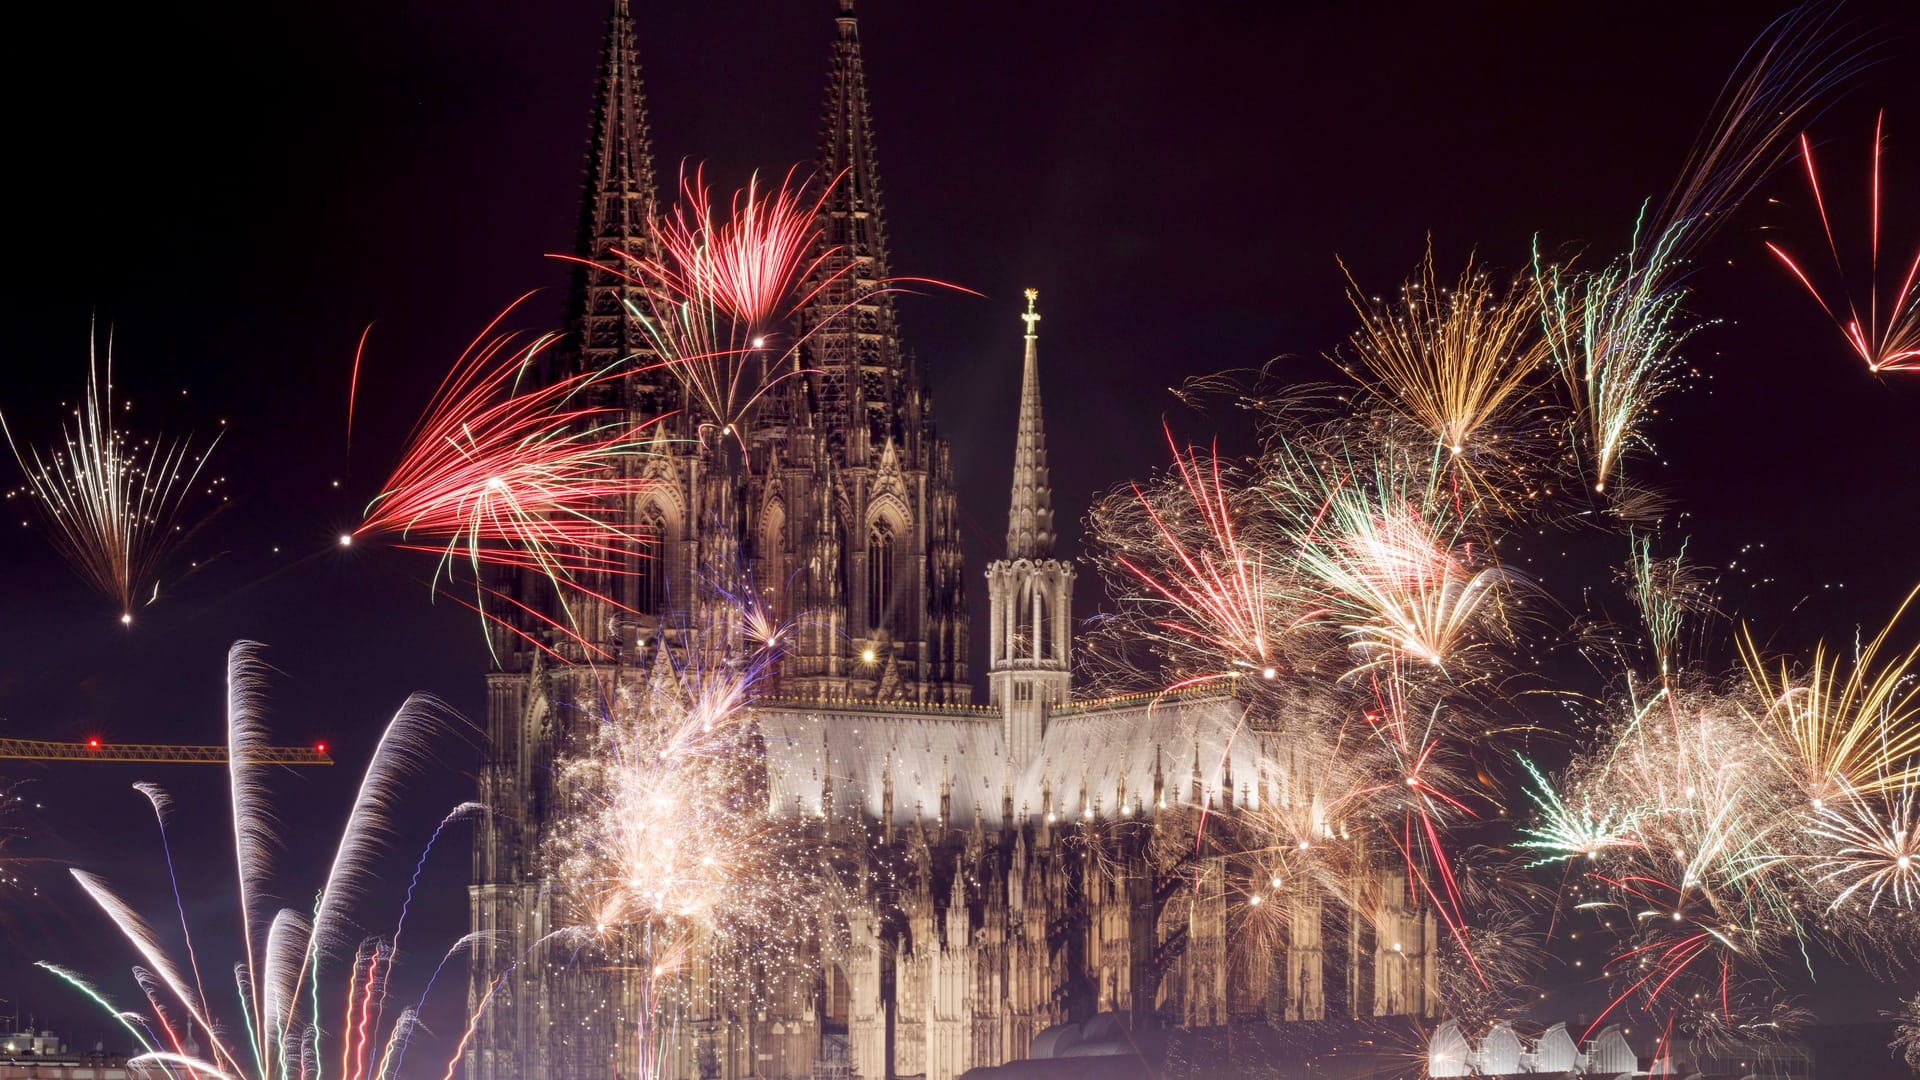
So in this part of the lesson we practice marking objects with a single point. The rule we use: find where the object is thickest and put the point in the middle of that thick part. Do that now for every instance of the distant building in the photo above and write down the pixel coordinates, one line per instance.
(32, 1044)
(41, 1055)
(1501, 1052)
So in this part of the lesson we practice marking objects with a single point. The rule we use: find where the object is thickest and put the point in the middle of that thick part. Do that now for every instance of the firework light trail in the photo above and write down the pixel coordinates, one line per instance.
(715, 296)
(1613, 331)
(1887, 335)
(505, 470)
(1455, 360)
(290, 1029)
(115, 504)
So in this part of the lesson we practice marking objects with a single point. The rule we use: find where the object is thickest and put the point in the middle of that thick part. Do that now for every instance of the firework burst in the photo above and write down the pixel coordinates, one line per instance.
(1871, 848)
(1842, 727)
(505, 473)
(670, 866)
(1886, 336)
(114, 503)
(1613, 333)
(1386, 555)
(1198, 566)
(1452, 360)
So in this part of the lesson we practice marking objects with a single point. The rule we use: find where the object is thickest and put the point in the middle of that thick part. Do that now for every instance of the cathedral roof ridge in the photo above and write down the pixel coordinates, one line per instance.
(1137, 697)
(852, 704)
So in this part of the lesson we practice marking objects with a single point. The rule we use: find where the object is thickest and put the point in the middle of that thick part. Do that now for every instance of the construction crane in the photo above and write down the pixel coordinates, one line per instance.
(161, 753)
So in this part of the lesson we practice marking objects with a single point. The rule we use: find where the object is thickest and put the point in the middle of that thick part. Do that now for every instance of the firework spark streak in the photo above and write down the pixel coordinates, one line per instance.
(1887, 335)
(504, 474)
(287, 1033)
(1216, 584)
(667, 860)
(114, 503)
(1452, 360)
(1839, 728)
(714, 295)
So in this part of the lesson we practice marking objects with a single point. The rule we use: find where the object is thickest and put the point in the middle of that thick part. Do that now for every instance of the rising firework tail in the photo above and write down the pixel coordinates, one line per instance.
(289, 1030)
(1342, 584)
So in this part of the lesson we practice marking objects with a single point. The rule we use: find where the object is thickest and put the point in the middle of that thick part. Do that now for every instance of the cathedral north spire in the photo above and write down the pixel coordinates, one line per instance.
(860, 373)
(1030, 518)
(847, 152)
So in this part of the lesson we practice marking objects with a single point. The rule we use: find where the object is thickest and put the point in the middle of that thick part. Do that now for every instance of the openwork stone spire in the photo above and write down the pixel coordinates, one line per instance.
(619, 204)
(1030, 519)
(846, 145)
(858, 361)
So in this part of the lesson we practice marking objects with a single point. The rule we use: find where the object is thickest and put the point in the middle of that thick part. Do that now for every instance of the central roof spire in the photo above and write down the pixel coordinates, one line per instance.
(1030, 519)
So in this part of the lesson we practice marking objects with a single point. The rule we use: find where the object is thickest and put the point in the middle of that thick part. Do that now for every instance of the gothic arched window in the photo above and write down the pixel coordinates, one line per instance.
(770, 577)
(1042, 625)
(879, 575)
(649, 587)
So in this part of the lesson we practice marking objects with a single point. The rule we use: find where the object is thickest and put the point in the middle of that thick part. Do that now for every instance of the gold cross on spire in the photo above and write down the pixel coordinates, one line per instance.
(1031, 316)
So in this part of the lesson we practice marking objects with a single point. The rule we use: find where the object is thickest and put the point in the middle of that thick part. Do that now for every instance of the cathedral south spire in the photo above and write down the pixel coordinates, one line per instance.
(1030, 517)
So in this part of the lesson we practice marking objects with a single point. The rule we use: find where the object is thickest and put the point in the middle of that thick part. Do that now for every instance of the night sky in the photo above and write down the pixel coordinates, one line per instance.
(236, 192)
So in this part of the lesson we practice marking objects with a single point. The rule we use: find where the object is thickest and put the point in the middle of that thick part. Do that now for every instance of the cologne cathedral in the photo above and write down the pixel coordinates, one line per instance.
(1012, 870)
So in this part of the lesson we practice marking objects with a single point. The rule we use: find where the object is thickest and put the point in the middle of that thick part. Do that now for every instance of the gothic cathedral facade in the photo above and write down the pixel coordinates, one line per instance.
(1009, 875)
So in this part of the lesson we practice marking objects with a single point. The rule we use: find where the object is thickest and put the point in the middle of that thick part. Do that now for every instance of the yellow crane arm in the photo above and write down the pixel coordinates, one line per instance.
(164, 753)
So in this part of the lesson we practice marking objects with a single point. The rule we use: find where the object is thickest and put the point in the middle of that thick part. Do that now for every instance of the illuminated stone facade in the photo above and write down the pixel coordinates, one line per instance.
(1009, 863)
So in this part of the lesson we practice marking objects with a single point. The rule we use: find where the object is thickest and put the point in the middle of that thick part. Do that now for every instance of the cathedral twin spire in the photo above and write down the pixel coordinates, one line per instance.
(617, 211)
(854, 433)
(847, 154)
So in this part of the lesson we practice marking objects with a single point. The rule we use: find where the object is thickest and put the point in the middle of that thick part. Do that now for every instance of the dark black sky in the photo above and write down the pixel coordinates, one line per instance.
(238, 190)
